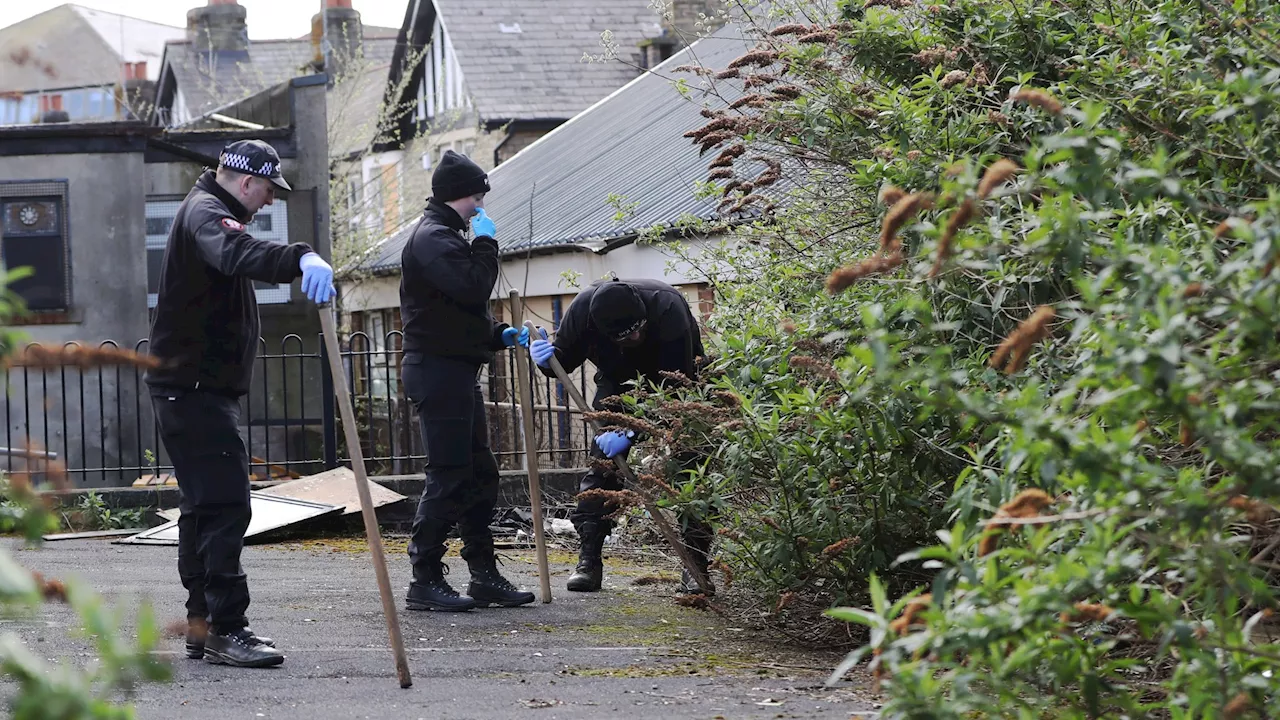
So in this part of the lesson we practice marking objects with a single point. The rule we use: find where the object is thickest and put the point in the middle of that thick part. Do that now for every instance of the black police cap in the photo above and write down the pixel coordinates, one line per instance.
(254, 157)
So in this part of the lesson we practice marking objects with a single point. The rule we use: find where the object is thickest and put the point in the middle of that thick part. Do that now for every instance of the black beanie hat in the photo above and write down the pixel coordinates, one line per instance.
(616, 309)
(457, 177)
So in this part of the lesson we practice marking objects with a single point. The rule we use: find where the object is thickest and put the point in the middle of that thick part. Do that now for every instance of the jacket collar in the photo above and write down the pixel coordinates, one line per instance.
(208, 182)
(446, 215)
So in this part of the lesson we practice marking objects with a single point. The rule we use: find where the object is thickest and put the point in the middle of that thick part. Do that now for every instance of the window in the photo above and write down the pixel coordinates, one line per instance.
(33, 235)
(271, 223)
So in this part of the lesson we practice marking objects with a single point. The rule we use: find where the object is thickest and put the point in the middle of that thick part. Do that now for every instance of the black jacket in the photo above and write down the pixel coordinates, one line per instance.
(206, 323)
(672, 340)
(445, 286)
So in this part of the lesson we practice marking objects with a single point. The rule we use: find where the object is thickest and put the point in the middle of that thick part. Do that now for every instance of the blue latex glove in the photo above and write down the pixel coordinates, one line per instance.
(614, 443)
(317, 278)
(542, 351)
(511, 335)
(482, 225)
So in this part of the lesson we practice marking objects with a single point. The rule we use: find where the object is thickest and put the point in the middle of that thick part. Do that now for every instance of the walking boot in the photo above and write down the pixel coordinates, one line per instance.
(697, 539)
(430, 591)
(240, 649)
(198, 633)
(488, 587)
(589, 574)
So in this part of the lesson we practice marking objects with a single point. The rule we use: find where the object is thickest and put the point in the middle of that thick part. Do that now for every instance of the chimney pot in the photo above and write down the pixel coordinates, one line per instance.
(219, 28)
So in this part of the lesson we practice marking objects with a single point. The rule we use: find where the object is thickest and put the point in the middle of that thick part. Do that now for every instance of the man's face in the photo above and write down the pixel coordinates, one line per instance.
(256, 193)
(467, 207)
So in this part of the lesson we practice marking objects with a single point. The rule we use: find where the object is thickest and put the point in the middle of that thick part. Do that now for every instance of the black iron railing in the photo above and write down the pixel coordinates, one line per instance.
(98, 422)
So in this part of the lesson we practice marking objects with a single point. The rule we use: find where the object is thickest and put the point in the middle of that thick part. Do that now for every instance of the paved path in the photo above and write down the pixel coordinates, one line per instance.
(626, 650)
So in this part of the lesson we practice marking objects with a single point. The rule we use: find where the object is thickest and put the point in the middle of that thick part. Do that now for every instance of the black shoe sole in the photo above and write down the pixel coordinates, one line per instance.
(411, 605)
(508, 604)
(589, 588)
(195, 652)
(214, 657)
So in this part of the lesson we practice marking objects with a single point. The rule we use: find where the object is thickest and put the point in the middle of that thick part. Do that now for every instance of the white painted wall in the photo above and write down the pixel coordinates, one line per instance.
(543, 275)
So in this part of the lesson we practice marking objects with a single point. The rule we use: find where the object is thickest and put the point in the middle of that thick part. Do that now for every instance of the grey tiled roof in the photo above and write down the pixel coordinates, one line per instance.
(631, 144)
(209, 84)
(71, 47)
(539, 72)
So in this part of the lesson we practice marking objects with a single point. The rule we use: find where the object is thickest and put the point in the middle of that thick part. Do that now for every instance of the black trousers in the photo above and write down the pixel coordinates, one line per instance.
(200, 431)
(462, 473)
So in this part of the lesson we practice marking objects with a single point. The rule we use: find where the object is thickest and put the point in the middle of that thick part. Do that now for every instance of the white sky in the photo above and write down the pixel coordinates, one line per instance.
(267, 18)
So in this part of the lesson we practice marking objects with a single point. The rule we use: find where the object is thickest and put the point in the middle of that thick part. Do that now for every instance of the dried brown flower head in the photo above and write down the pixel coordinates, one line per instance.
(824, 37)
(50, 589)
(694, 69)
(1019, 342)
(813, 366)
(1194, 289)
(1239, 705)
(845, 277)
(748, 100)
(720, 174)
(728, 74)
(1026, 504)
(1255, 511)
(997, 117)
(1185, 437)
(697, 601)
(759, 80)
(958, 219)
(621, 420)
(840, 546)
(931, 57)
(790, 29)
(898, 215)
(1040, 99)
(725, 571)
(891, 194)
(40, 356)
(787, 92)
(996, 175)
(759, 58)
(953, 78)
(910, 614)
(1087, 612)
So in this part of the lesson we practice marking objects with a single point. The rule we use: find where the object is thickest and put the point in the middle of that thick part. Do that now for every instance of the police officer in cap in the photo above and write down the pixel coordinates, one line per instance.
(630, 330)
(449, 333)
(206, 330)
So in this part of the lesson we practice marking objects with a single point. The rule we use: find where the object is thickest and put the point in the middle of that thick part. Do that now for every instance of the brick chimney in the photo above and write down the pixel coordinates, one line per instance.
(681, 30)
(339, 25)
(219, 29)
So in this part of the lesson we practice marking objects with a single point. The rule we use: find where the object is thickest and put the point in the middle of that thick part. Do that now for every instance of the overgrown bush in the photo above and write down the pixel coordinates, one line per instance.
(48, 690)
(1003, 272)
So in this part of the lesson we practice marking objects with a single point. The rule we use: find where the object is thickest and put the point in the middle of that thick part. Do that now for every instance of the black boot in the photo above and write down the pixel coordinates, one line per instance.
(198, 633)
(240, 649)
(430, 591)
(697, 540)
(589, 574)
(488, 587)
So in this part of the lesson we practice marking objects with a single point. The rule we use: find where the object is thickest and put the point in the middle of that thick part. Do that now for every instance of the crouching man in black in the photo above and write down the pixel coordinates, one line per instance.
(206, 330)
(630, 330)
(449, 334)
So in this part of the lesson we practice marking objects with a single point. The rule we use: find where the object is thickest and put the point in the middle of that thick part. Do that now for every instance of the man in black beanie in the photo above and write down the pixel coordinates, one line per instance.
(630, 330)
(449, 334)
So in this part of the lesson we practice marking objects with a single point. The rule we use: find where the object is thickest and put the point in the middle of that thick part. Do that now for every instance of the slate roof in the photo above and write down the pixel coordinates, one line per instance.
(73, 47)
(631, 143)
(210, 83)
(523, 59)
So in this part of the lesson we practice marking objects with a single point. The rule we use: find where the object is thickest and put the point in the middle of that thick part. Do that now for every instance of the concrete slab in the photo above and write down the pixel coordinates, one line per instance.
(626, 651)
(269, 514)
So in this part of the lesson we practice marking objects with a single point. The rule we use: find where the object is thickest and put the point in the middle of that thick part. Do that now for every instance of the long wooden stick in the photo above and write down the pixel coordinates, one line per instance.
(362, 487)
(531, 449)
(627, 474)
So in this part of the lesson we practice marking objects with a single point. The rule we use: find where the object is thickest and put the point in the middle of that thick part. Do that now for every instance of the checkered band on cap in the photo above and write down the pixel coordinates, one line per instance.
(236, 161)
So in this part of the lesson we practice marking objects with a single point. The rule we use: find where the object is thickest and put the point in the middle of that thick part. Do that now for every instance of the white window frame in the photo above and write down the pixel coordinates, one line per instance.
(167, 206)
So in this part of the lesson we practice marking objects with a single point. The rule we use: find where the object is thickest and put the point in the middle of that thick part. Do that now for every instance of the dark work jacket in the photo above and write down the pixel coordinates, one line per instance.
(206, 323)
(672, 340)
(445, 285)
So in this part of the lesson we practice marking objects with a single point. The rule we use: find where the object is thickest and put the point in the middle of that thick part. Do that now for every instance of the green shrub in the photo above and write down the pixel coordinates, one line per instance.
(1066, 374)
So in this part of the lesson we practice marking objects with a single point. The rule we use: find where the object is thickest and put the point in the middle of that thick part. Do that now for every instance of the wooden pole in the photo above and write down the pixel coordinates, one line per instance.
(531, 448)
(627, 474)
(362, 487)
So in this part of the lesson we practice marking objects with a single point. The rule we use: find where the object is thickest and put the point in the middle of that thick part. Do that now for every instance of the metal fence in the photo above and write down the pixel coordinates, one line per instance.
(98, 422)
